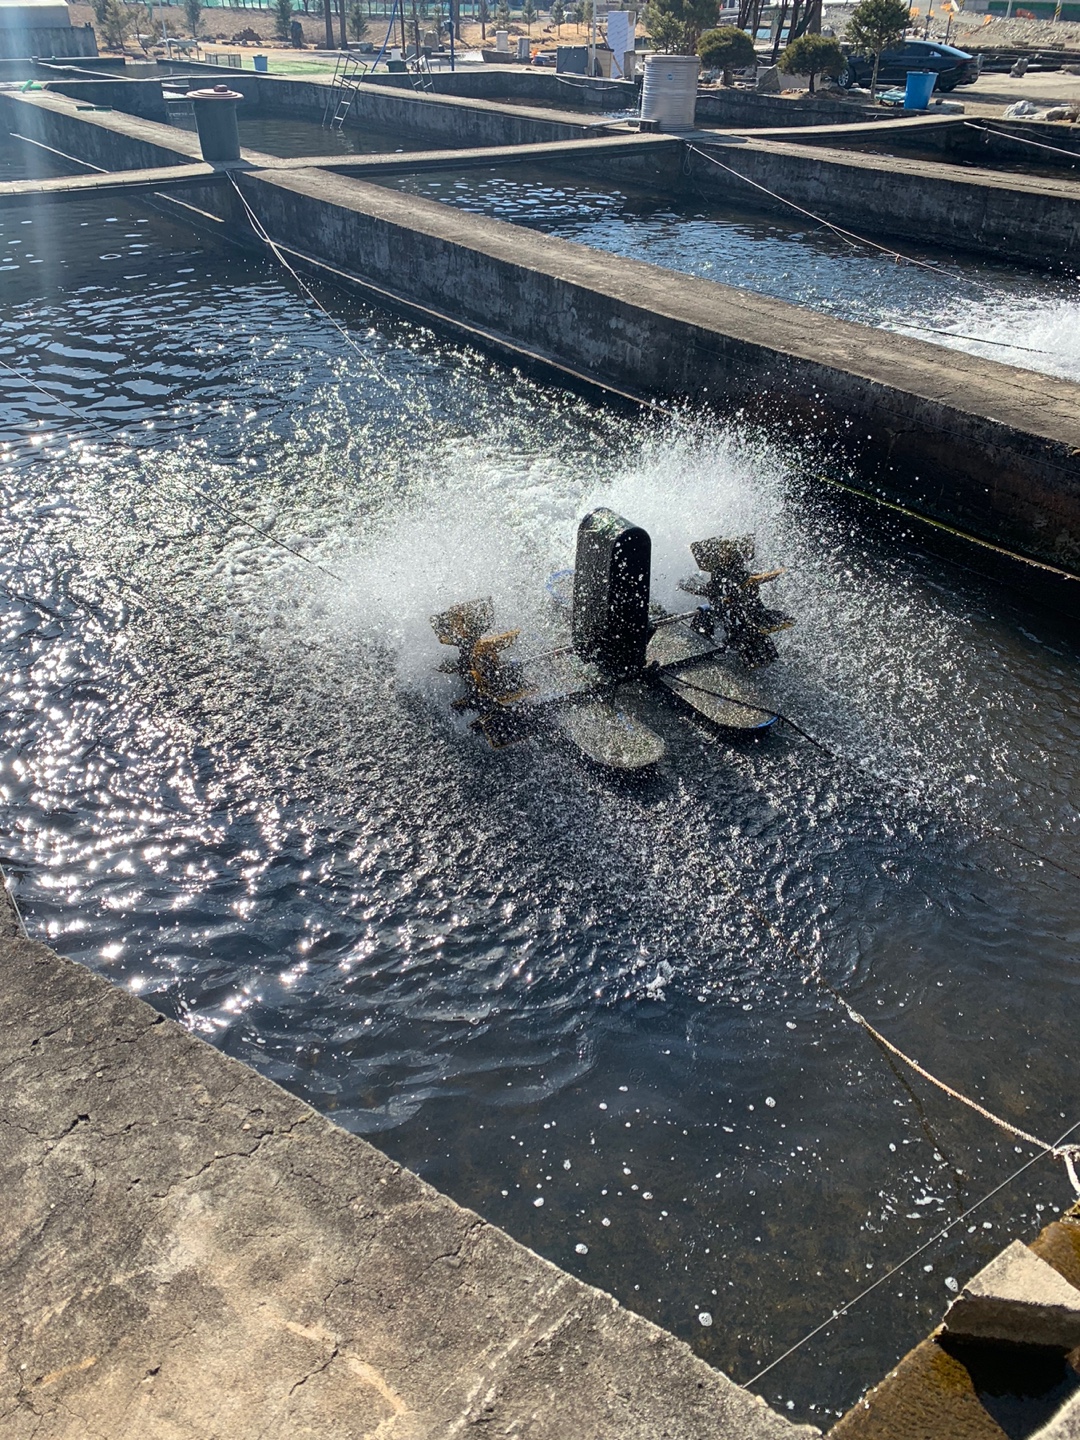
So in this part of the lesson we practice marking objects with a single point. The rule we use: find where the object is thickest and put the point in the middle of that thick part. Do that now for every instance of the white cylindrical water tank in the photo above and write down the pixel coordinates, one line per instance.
(502, 42)
(669, 93)
(523, 43)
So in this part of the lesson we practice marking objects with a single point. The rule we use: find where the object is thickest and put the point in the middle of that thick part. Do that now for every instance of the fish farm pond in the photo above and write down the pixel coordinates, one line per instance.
(601, 1015)
(1001, 312)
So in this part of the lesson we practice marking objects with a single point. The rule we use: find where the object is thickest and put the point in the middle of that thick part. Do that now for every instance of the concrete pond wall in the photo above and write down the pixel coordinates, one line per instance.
(448, 119)
(979, 141)
(101, 141)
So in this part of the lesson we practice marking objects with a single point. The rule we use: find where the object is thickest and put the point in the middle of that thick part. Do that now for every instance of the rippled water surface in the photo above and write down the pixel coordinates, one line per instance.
(1002, 312)
(230, 783)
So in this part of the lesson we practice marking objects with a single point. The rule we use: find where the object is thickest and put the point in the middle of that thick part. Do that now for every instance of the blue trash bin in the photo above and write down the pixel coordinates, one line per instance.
(260, 63)
(919, 88)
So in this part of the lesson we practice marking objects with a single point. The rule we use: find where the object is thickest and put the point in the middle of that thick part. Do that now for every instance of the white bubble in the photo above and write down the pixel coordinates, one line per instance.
(581, 1249)
(704, 1318)
(605, 1221)
(538, 1201)
(770, 1102)
(951, 1283)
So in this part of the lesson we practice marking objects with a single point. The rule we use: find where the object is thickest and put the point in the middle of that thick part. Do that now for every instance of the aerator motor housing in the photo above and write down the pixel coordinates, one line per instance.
(620, 644)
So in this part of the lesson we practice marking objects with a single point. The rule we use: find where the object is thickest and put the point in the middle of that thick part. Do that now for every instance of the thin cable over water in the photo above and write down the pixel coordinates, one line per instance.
(836, 1314)
(1023, 140)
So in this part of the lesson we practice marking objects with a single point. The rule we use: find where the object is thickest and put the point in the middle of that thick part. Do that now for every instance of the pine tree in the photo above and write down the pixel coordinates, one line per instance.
(358, 26)
(558, 15)
(874, 26)
(676, 25)
(282, 19)
(528, 14)
(812, 55)
(192, 11)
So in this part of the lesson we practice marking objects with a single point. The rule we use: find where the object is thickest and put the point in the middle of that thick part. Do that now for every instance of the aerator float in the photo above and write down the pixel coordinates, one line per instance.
(618, 644)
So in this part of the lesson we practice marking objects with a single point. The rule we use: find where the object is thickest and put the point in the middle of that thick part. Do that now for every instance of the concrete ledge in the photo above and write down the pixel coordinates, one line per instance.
(188, 1252)
(110, 141)
(1018, 1299)
(60, 187)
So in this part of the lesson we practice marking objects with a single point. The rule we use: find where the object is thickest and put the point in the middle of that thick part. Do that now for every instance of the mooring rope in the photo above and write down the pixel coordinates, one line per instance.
(264, 235)
(848, 236)
(19, 921)
(1023, 140)
(940, 1235)
(978, 339)
(1067, 1154)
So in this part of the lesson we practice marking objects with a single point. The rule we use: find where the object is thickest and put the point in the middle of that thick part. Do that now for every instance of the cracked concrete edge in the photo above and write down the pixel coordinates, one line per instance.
(188, 1251)
(1017, 1298)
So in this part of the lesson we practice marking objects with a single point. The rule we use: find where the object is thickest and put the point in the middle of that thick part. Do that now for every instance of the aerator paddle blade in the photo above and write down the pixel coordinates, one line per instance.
(464, 624)
(719, 694)
(718, 553)
(609, 735)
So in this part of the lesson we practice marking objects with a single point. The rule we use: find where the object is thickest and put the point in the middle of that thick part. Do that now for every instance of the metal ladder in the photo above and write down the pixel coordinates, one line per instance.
(422, 73)
(342, 89)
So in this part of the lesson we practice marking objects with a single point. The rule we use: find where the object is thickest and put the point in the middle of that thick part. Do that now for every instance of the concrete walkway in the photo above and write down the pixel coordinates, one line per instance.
(187, 1252)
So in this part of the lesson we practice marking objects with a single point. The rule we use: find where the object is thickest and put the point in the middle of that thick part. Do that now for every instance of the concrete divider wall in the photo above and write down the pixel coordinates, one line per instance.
(1010, 217)
(984, 140)
(997, 454)
(110, 142)
(445, 118)
(524, 82)
(743, 110)
(133, 97)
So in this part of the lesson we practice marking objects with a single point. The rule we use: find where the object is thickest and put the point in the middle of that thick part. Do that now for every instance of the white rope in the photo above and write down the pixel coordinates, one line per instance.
(14, 904)
(1067, 1154)
(836, 1314)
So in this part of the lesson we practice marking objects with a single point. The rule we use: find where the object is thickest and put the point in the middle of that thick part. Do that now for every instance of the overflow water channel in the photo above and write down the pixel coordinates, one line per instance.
(1001, 312)
(230, 782)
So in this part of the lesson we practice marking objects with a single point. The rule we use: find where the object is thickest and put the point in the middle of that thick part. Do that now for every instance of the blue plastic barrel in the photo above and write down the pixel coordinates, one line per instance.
(919, 88)
(260, 63)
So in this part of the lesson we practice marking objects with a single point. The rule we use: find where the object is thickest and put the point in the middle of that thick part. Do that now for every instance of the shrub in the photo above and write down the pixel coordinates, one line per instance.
(813, 55)
(726, 49)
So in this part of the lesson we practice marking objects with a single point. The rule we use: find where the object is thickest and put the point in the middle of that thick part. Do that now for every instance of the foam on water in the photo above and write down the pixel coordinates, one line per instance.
(1034, 333)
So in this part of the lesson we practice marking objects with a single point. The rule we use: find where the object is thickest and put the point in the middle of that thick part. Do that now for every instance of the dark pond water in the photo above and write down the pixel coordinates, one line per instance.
(1002, 312)
(229, 783)
(19, 160)
(287, 137)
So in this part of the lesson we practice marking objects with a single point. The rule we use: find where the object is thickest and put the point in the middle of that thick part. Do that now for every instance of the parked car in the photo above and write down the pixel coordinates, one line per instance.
(953, 67)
